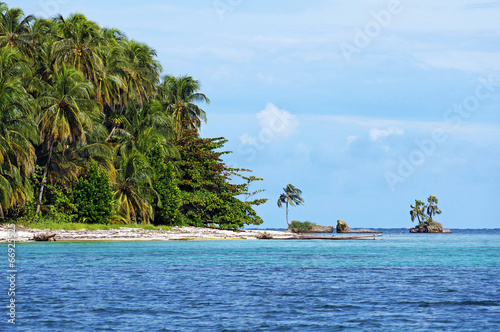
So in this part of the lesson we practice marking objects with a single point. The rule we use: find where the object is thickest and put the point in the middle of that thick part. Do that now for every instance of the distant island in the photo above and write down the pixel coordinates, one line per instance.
(424, 214)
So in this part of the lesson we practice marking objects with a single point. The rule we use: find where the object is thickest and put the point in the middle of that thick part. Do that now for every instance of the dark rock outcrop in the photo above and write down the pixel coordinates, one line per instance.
(429, 227)
(343, 228)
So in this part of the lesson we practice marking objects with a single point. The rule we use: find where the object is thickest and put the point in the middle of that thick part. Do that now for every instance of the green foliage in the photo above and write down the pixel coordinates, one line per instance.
(73, 94)
(424, 212)
(208, 198)
(92, 196)
(166, 207)
(290, 196)
(52, 223)
(298, 226)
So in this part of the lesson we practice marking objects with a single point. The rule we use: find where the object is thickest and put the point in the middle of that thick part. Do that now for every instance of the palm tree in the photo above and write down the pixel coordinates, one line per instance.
(80, 45)
(133, 190)
(179, 95)
(66, 111)
(432, 208)
(15, 30)
(140, 70)
(143, 128)
(290, 196)
(18, 132)
(417, 211)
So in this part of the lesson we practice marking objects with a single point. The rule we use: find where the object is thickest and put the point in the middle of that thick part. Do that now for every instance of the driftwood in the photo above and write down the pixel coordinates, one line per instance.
(319, 237)
(265, 236)
(45, 237)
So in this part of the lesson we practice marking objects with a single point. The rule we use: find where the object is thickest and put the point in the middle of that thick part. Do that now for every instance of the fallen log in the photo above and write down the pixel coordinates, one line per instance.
(45, 237)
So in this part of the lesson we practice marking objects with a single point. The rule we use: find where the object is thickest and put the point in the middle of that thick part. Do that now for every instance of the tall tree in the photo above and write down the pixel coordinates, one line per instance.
(291, 196)
(18, 132)
(166, 185)
(179, 96)
(15, 30)
(141, 71)
(418, 211)
(66, 111)
(432, 207)
(80, 45)
(133, 190)
(208, 196)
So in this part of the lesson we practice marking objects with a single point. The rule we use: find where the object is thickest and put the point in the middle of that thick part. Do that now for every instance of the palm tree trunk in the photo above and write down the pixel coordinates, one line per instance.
(1, 212)
(287, 215)
(44, 179)
(111, 133)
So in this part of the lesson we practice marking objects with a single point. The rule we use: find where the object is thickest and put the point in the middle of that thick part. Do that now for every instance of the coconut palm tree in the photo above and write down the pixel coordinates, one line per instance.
(179, 95)
(18, 132)
(418, 211)
(133, 190)
(432, 208)
(290, 196)
(140, 70)
(66, 111)
(80, 45)
(15, 30)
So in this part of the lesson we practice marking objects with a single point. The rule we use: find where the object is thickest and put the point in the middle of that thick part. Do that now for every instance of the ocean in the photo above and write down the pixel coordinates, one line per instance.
(401, 282)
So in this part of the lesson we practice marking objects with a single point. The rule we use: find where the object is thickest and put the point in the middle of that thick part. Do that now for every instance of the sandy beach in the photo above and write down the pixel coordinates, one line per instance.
(138, 234)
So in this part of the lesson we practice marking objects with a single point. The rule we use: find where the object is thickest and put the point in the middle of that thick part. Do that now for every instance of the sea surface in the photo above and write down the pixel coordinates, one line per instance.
(401, 282)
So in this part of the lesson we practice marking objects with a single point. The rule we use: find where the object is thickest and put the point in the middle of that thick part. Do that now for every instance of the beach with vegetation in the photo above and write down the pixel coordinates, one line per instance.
(93, 133)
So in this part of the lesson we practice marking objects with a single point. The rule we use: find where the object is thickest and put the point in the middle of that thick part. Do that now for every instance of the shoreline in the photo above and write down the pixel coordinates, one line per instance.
(138, 234)
(187, 233)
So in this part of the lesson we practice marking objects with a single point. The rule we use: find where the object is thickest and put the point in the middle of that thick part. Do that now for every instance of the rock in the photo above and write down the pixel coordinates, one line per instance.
(342, 227)
(426, 227)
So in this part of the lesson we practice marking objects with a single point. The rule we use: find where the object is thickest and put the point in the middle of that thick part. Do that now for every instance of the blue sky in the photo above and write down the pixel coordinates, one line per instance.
(364, 105)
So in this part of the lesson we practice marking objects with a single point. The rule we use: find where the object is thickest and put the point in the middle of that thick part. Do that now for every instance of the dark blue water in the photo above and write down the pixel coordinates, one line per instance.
(407, 282)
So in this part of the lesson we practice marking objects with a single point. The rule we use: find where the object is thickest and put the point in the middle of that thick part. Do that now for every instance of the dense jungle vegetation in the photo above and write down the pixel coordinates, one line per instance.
(90, 131)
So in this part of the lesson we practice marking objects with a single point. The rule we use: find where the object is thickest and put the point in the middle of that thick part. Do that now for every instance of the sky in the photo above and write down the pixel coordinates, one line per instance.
(363, 105)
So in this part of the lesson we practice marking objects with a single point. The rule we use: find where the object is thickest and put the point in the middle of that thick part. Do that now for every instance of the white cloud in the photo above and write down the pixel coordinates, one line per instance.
(375, 133)
(277, 123)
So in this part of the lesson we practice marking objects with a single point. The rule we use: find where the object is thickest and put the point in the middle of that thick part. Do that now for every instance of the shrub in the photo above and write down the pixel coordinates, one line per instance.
(92, 196)
(298, 227)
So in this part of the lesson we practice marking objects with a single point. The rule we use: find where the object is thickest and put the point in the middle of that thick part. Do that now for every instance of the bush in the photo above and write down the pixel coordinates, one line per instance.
(298, 227)
(165, 184)
(92, 196)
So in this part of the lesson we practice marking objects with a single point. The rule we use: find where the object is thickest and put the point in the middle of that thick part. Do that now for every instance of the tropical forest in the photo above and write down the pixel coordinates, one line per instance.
(92, 132)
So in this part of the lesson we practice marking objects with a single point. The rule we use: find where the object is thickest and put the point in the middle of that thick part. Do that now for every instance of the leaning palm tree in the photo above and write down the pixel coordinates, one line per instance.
(290, 196)
(66, 111)
(432, 208)
(418, 211)
(179, 95)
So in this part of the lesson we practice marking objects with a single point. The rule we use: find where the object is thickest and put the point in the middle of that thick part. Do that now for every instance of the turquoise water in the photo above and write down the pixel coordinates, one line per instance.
(407, 282)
